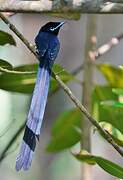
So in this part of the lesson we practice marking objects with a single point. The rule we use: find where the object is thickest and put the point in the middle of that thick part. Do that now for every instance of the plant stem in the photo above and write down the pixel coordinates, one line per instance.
(104, 48)
(86, 98)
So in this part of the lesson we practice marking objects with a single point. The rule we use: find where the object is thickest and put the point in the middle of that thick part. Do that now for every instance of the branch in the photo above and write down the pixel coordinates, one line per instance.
(77, 70)
(94, 55)
(66, 89)
(84, 6)
(26, 6)
(87, 85)
(74, 73)
(85, 112)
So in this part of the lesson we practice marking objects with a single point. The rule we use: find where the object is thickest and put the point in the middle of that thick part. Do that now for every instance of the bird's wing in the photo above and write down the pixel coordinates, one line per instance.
(41, 42)
(53, 51)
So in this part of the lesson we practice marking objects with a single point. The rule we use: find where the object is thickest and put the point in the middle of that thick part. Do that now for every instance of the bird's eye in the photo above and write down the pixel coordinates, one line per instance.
(52, 29)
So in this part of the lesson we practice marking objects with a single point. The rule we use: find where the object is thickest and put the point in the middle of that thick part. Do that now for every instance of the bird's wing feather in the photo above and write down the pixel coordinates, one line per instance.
(53, 52)
(41, 42)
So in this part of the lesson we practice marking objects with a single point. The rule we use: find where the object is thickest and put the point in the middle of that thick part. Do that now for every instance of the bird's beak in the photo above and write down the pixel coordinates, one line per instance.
(62, 23)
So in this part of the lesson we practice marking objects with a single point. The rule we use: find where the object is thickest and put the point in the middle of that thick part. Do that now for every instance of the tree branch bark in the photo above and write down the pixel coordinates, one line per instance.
(114, 41)
(83, 6)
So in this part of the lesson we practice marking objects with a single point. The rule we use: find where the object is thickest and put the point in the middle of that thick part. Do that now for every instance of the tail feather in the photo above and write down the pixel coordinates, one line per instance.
(24, 159)
(39, 99)
(34, 120)
(26, 163)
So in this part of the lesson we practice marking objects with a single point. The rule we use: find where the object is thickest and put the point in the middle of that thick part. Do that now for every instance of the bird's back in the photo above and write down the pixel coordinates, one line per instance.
(47, 47)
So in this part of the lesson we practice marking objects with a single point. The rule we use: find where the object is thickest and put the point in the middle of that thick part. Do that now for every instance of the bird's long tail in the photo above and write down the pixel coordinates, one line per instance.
(34, 120)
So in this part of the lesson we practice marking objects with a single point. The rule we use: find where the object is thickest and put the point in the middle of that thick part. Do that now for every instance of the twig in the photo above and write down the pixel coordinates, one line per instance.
(74, 73)
(83, 109)
(94, 55)
(77, 70)
(66, 89)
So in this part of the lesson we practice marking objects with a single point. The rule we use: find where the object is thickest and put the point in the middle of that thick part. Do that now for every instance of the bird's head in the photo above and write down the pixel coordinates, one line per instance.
(52, 27)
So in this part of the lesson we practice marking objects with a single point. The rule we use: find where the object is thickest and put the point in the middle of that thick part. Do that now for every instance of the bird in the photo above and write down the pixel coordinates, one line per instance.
(47, 48)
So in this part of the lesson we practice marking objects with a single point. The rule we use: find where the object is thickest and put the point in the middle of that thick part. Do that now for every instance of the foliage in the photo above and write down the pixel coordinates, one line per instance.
(6, 38)
(108, 99)
(65, 131)
(105, 164)
(19, 81)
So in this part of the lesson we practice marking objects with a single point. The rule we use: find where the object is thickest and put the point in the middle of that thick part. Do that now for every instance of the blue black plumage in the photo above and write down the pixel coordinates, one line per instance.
(48, 46)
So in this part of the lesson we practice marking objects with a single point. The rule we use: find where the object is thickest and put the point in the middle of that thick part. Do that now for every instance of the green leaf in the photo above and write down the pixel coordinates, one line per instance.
(118, 91)
(105, 164)
(107, 112)
(106, 108)
(65, 132)
(5, 64)
(101, 93)
(27, 67)
(6, 38)
(113, 74)
(112, 103)
(18, 82)
(112, 115)
(86, 157)
(110, 167)
(24, 83)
